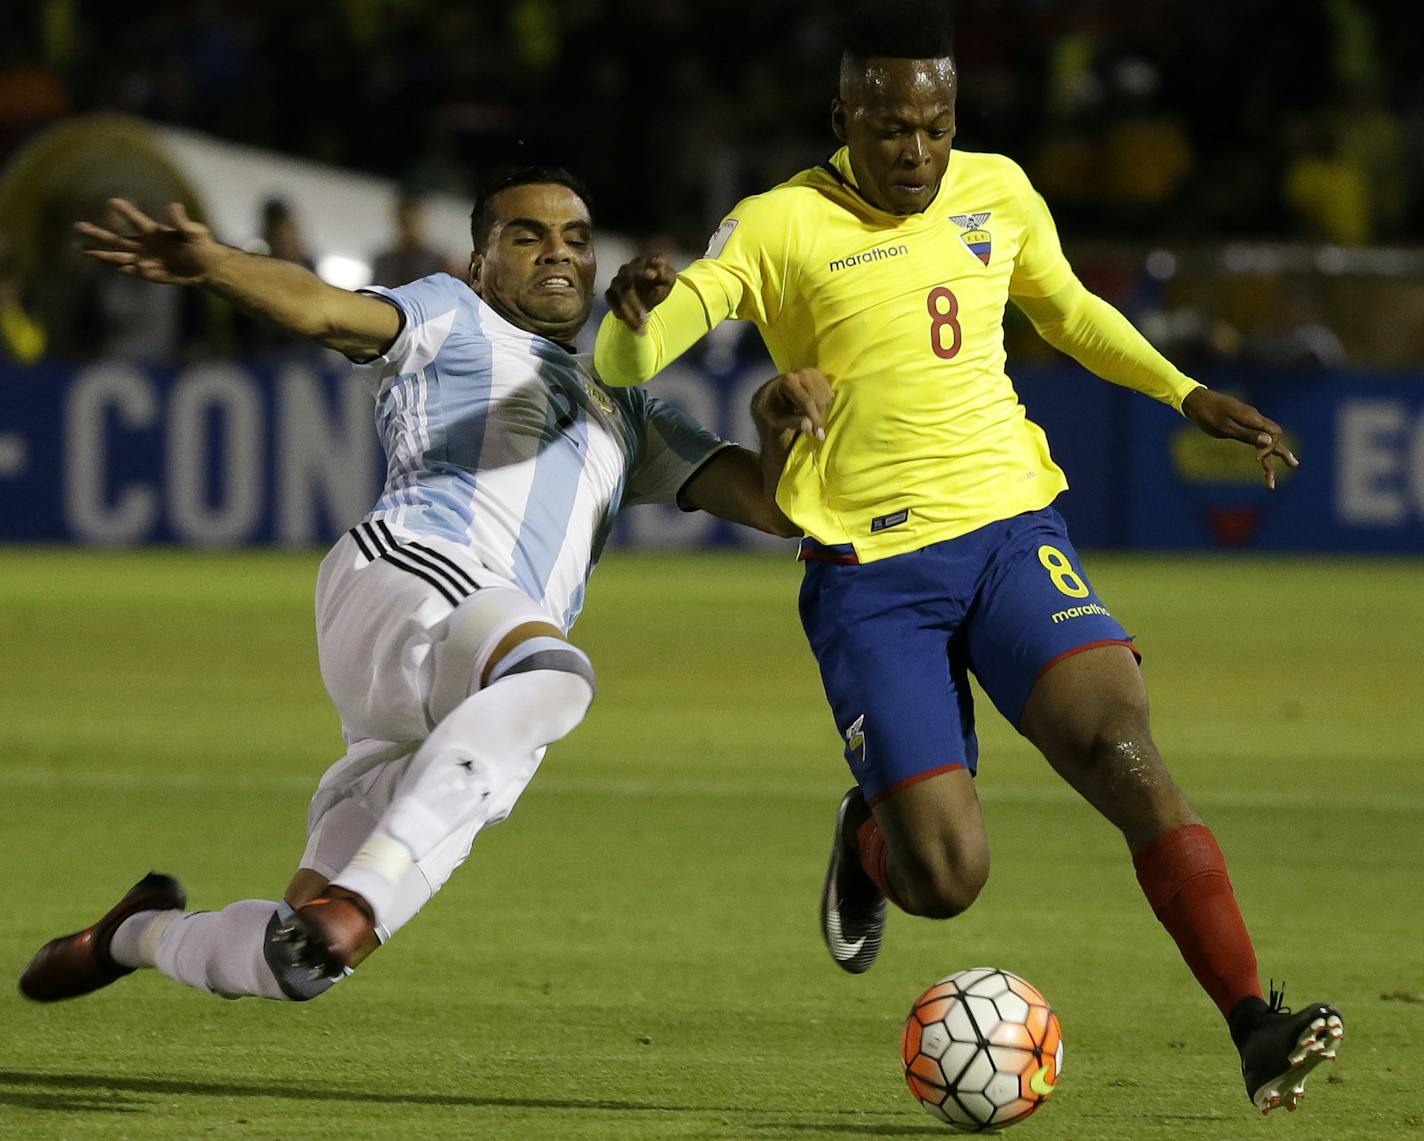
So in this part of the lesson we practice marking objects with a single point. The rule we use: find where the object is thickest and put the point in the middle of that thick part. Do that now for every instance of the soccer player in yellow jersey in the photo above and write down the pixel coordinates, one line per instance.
(878, 281)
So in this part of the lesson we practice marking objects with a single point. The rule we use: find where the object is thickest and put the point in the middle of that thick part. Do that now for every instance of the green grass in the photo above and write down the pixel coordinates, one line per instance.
(635, 953)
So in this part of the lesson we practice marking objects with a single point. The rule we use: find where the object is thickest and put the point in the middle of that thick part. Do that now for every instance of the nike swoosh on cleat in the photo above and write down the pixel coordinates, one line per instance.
(841, 947)
(1039, 1083)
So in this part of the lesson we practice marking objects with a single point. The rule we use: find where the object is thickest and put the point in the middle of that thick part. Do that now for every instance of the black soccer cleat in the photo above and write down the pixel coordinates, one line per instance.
(1280, 1048)
(79, 964)
(852, 906)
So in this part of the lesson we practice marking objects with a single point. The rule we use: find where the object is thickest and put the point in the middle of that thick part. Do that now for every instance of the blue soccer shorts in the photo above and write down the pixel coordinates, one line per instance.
(897, 638)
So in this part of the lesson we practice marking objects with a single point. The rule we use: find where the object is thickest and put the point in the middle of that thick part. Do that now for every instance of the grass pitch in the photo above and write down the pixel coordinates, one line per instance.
(635, 953)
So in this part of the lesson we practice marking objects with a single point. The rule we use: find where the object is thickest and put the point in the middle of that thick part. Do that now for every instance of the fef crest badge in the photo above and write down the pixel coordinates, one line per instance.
(976, 239)
(855, 740)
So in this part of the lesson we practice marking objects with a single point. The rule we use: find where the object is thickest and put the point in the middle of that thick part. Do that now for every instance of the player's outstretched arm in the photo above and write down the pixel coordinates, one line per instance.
(184, 252)
(1100, 338)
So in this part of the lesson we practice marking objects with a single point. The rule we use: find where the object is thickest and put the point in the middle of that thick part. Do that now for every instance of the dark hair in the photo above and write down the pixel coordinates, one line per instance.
(482, 217)
(899, 29)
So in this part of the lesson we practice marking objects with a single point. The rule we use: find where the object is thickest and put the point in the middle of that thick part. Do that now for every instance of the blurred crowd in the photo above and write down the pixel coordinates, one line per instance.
(1178, 120)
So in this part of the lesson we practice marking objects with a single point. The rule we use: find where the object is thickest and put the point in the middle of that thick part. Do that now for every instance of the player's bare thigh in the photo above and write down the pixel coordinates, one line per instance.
(1088, 715)
(939, 853)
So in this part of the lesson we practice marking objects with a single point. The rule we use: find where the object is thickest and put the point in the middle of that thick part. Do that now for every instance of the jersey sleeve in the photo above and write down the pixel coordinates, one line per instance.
(428, 308)
(672, 448)
(742, 275)
(1040, 268)
(1102, 340)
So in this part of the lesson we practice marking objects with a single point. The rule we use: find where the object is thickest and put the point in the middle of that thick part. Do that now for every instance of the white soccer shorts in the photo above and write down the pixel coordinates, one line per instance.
(382, 603)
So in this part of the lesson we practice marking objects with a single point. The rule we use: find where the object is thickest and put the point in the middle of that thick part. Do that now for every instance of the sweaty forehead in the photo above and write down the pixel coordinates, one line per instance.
(551, 203)
(882, 84)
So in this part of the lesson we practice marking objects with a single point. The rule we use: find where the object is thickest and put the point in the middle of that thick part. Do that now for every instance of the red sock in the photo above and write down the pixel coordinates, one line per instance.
(872, 857)
(1183, 875)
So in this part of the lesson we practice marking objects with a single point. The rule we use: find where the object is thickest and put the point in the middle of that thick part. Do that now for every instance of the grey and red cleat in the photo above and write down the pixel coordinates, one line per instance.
(78, 964)
(1279, 1048)
(321, 938)
(852, 906)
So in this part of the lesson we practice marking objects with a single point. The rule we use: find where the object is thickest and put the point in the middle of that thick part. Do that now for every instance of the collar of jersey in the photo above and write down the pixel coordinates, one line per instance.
(838, 167)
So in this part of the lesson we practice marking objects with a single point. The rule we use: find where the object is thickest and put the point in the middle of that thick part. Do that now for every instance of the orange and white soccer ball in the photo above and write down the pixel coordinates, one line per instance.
(982, 1049)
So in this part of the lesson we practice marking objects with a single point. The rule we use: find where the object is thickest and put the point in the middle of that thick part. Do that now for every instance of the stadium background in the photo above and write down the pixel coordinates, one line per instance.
(1246, 181)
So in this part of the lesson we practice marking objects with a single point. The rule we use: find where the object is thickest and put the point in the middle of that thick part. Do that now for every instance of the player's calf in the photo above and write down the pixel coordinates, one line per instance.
(937, 888)
(937, 855)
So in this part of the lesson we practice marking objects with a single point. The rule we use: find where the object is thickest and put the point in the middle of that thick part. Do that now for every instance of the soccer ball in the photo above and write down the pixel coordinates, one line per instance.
(982, 1050)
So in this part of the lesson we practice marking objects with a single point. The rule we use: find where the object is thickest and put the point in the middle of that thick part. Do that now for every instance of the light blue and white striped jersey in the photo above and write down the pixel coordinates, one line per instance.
(502, 441)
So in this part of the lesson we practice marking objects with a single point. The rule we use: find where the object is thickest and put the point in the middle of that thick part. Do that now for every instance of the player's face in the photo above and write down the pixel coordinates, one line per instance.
(536, 270)
(897, 118)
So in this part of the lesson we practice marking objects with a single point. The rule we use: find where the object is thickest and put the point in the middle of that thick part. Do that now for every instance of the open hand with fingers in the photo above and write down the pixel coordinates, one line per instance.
(797, 401)
(1227, 418)
(637, 288)
(177, 253)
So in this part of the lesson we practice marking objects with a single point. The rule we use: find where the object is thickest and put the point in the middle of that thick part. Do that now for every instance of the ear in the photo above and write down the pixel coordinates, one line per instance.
(839, 115)
(477, 265)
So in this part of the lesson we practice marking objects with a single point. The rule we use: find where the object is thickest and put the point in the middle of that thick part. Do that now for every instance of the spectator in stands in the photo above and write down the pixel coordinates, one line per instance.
(1327, 188)
(411, 257)
(280, 238)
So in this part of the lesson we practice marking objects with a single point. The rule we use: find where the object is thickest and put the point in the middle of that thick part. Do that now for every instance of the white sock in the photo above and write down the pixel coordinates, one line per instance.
(135, 941)
(469, 772)
(219, 951)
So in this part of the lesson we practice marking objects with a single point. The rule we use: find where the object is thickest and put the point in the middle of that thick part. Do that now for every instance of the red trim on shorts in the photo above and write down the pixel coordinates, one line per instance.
(821, 555)
(908, 781)
(1131, 645)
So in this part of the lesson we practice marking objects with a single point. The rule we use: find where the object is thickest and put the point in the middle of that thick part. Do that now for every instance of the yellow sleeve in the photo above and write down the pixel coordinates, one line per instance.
(623, 358)
(1040, 269)
(1080, 323)
(1100, 338)
(741, 272)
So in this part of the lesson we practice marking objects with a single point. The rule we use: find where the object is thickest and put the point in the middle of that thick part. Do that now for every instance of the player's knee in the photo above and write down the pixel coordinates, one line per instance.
(563, 668)
(468, 639)
(1121, 745)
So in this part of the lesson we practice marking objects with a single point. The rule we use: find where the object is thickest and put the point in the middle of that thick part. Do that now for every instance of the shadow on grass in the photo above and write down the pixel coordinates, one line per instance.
(94, 1093)
(65, 1094)
(66, 1103)
(840, 1129)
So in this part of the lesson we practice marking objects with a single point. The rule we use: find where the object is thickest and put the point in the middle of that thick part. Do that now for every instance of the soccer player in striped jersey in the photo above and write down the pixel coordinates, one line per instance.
(442, 617)
(932, 549)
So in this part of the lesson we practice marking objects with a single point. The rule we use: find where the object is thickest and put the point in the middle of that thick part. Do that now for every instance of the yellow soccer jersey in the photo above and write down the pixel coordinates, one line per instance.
(926, 439)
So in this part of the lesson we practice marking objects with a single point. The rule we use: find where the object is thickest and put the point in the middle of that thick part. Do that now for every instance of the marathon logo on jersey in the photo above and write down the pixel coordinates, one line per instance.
(885, 522)
(718, 242)
(976, 239)
(855, 740)
(1080, 612)
(879, 253)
